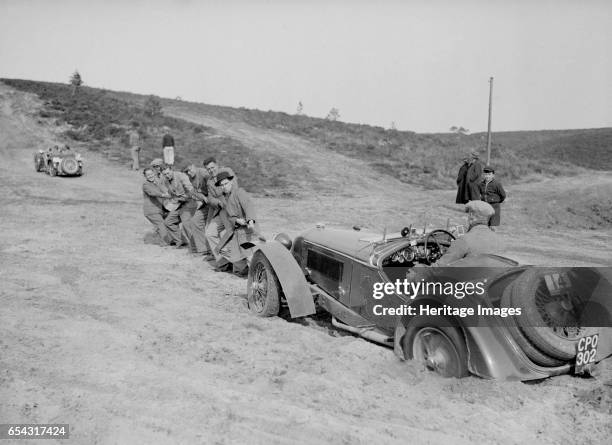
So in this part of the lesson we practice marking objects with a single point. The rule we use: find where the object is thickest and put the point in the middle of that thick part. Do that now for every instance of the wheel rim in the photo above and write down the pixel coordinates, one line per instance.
(561, 313)
(435, 350)
(69, 165)
(259, 287)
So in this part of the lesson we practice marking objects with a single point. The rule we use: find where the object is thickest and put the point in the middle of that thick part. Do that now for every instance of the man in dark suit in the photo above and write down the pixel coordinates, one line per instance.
(473, 178)
(462, 183)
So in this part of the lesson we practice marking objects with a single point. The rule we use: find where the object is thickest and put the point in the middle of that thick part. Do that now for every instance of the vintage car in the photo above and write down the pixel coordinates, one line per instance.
(339, 271)
(61, 162)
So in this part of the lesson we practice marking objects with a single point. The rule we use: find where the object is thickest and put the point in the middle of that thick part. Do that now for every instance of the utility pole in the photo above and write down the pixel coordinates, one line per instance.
(489, 126)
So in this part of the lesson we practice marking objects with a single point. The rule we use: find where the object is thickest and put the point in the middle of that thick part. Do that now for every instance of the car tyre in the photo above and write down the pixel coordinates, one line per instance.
(437, 343)
(533, 353)
(264, 290)
(539, 311)
(70, 166)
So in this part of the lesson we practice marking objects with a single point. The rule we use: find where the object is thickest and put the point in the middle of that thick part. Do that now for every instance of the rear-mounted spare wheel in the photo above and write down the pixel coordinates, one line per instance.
(551, 320)
(69, 166)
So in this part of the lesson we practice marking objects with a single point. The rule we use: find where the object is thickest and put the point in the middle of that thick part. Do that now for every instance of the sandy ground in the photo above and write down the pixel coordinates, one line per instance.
(131, 343)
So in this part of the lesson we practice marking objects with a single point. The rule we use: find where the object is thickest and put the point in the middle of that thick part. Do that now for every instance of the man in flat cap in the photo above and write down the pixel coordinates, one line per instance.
(493, 192)
(479, 237)
(473, 177)
(241, 232)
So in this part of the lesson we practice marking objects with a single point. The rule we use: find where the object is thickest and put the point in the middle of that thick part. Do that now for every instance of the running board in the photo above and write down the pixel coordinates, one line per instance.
(370, 333)
(338, 310)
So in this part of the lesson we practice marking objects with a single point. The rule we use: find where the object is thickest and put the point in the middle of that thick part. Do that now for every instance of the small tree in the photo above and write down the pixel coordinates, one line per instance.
(75, 81)
(459, 130)
(333, 115)
(153, 106)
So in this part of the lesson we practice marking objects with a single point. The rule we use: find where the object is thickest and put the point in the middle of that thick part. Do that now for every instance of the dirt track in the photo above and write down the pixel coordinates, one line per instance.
(131, 343)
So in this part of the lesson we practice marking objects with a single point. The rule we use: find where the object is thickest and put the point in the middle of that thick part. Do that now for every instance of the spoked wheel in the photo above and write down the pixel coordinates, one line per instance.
(552, 320)
(523, 342)
(440, 347)
(435, 350)
(70, 166)
(263, 288)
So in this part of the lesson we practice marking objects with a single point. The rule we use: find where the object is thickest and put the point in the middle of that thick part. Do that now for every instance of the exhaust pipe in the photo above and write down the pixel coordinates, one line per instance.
(368, 333)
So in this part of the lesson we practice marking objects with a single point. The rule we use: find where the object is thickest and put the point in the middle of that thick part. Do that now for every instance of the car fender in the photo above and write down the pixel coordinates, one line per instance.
(494, 354)
(291, 278)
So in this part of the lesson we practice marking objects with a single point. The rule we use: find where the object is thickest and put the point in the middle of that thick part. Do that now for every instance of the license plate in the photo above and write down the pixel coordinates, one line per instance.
(586, 351)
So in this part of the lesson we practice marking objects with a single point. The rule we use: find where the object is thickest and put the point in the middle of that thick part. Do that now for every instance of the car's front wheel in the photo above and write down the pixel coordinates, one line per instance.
(264, 289)
(434, 342)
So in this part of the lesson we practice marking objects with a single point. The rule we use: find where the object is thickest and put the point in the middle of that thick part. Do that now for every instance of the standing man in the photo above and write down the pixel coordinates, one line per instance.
(216, 202)
(195, 228)
(493, 193)
(473, 178)
(462, 182)
(181, 206)
(135, 146)
(168, 147)
(153, 194)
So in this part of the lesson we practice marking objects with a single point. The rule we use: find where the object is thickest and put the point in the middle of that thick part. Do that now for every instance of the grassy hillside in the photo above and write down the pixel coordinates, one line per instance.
(433, 159)
(101, 117)
(101, 120)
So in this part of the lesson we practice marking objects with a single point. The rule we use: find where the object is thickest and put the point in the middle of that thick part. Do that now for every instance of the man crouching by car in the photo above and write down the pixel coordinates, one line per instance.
(241, 231)
(153, 194)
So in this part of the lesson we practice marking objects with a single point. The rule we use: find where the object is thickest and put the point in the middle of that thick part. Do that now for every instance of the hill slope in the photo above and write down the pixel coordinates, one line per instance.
(100, 121)
(429, 160)
(360, 167)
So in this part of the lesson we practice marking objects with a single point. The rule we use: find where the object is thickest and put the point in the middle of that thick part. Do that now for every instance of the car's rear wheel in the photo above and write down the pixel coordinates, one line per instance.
(264, 289)
(69, 166)
(434, 342)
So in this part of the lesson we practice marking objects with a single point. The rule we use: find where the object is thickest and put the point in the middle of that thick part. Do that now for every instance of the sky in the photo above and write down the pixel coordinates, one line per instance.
(419, 65)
